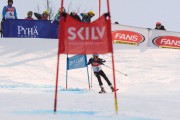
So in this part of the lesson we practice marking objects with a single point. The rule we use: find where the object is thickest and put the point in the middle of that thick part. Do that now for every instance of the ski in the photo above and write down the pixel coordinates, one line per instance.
(100, 92)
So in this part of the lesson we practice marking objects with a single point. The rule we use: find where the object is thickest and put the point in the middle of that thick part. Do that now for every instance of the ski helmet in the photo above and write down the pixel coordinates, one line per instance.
(10, 1)
(96, 55)
(46, 12)
(158, 23)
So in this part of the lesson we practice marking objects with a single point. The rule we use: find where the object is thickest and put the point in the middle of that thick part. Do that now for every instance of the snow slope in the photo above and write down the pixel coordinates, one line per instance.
(27, 79)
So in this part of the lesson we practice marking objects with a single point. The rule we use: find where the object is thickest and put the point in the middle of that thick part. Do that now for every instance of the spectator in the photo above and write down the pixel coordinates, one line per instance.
(9, 12)
(75, 15)
(44, 15)
(86, 17)
(159, 26)
(116, 23)
(57, 16)
(29, 15)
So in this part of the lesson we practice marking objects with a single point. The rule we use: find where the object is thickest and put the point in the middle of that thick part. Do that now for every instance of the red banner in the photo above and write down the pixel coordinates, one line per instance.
(85, 38)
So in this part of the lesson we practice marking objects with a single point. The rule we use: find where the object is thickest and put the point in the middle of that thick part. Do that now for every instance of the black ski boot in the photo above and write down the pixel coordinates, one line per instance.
(112, 88)
(102, 90)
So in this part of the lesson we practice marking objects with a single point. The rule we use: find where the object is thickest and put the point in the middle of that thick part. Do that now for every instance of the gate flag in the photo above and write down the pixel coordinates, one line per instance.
(77, 61)
(85, 38)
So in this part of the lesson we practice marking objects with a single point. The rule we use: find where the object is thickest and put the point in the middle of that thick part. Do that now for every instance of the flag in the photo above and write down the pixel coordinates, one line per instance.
(77, 61)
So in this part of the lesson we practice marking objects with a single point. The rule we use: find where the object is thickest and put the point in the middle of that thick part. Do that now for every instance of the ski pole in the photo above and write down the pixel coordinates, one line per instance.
(91, 77)
(116, 70)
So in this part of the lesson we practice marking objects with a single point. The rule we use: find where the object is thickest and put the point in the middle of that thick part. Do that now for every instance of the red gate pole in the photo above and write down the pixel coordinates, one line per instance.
(114, 77)
(57, 71)
(99, 8)
(56, 88)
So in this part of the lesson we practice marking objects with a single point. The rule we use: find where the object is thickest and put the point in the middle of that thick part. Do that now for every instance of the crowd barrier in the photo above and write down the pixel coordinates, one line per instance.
(136, 36)
(30, 29)
(121, 34)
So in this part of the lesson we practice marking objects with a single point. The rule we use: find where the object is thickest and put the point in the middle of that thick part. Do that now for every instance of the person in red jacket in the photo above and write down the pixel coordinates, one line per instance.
(29, 16)
(96, 63)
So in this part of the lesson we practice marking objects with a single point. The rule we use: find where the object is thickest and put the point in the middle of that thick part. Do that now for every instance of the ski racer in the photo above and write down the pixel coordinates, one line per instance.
(96, 63)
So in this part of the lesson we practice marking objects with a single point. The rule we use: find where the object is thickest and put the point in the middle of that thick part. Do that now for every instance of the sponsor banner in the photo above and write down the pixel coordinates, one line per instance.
(30, 29)
(77, 61)
(164, 39)
(129, 35)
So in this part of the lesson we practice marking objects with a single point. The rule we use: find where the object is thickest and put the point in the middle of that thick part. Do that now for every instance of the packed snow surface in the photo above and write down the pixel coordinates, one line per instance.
(151, 91)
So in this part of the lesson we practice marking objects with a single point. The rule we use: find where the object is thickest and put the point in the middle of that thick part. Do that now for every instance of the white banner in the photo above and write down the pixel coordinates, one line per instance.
(164, 39)
(129, 35)
(122, 34)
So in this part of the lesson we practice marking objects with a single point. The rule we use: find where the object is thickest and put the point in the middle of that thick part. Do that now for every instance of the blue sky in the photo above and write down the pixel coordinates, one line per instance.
(140, 13)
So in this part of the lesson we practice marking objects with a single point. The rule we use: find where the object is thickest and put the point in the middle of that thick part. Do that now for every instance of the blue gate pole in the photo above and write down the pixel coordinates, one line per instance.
(87, 71)
(88, 77)
(67, 62)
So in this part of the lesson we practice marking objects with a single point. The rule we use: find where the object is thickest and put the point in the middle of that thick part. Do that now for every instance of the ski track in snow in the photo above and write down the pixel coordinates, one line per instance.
(28, 73)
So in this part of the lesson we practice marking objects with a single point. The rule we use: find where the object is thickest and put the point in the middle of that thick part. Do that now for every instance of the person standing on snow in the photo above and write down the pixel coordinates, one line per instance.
(96, 63)
(44, 16)
(75, 15)
(86, 17)
(29, 16)
(57, 16)
(159, 26)
(9, 12)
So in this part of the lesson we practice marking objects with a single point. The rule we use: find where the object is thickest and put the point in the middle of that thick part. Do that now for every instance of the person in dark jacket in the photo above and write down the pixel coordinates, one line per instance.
(159, 26)
(44, 15)
(75, 15)
(116, 23)
(86, 17)
(96, 63)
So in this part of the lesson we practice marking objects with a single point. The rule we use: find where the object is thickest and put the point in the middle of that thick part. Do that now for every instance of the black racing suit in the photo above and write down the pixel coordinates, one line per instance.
(98, 72)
